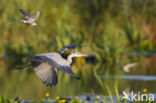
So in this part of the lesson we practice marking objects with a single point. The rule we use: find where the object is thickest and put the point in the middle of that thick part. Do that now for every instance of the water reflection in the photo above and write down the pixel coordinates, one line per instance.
(86, 98)
(141, 54)
(130, 77)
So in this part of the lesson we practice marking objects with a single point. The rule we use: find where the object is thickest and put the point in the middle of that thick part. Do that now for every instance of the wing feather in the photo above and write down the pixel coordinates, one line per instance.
(46, 74)
(55, 60)
(36, 15)
(27, 15)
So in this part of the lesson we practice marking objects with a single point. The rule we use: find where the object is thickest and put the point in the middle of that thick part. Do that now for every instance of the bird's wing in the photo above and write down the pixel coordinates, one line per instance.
(67, 70)
(128, 66)
(55, 60)
(36, 15)
(61, 64)
(27, 15)
(46, 73)
(126, 69)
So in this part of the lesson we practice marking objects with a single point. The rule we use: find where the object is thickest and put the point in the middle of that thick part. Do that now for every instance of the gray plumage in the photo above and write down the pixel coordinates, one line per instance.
(29, 19)
(45, 66)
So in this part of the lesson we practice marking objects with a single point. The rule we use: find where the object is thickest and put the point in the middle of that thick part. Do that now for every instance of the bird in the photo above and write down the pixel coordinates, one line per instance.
(128, 66)
(68, 47)
(46, 64)
(29, 19)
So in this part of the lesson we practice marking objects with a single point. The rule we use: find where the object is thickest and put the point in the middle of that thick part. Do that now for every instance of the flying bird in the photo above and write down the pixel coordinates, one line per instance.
(45, 66)
(29, 19)
(128, 66)
(68, 47)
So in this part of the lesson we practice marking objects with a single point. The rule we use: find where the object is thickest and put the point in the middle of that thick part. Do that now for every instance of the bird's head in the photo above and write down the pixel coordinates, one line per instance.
(77, 54)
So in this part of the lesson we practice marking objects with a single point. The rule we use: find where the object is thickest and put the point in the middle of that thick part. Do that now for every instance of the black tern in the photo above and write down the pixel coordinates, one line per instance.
(29, 19)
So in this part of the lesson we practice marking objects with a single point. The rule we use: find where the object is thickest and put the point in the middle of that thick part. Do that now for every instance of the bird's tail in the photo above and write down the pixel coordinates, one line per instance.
(22, 67)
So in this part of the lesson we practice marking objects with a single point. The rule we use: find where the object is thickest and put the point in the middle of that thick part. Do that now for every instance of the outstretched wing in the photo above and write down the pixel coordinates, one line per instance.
(67, 70)
(36, 15)
(46, 73)
(128, 66)
(55, 60)
(27, 15)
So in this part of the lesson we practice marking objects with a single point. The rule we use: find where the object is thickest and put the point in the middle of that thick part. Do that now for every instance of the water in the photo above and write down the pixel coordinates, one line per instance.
(130, 77)
(146, 53)
(91, 98)
(88, 98)
(135, 83)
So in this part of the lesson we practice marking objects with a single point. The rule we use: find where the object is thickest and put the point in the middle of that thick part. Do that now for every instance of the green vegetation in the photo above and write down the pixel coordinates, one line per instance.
(109, 29)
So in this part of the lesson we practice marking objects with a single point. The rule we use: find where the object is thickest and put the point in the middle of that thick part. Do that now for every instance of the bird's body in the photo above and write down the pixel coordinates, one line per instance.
(29, 19)
(45, 66)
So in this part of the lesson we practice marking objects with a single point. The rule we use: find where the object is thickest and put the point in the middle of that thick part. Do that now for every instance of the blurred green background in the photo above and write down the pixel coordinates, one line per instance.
(109, 30)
